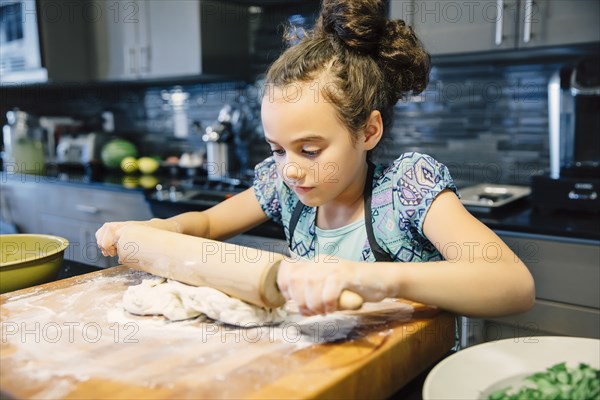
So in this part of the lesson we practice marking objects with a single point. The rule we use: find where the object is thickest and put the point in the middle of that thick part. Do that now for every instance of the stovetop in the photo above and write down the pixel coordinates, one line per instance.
(198, 190)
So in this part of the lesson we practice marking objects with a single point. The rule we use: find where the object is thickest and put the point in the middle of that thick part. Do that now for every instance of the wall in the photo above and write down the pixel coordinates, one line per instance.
(486, 121)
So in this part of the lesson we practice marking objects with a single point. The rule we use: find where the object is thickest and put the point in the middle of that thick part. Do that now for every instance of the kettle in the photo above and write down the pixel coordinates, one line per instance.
(23, 148)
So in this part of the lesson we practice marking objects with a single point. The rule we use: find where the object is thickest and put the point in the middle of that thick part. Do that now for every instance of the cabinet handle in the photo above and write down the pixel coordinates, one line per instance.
(132, 61)
(87, 209)
(145, 55)
(499, 22)
(527, 21)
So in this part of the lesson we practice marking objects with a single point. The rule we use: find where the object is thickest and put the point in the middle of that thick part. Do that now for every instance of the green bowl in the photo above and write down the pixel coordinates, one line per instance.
(29, 259)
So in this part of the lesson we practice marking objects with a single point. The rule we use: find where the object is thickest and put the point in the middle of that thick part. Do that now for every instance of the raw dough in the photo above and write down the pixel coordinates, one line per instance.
(178, 301)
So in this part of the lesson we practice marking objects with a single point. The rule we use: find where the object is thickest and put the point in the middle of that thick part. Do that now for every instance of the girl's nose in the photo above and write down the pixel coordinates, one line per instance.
(292, 171)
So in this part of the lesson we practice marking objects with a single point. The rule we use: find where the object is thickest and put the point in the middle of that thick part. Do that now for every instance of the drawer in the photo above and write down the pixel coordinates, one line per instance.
(82, 240)
(547, 318)
(94, 205)
(564, 271)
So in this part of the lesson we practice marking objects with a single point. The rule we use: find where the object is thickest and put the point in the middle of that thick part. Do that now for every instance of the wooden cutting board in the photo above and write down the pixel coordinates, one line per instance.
(71, 339)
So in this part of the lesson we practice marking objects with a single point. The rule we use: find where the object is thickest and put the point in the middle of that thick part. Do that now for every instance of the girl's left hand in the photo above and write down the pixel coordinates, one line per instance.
(317, 285)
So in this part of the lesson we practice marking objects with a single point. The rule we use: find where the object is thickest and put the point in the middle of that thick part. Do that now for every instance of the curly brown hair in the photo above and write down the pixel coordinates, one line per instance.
(370, 62)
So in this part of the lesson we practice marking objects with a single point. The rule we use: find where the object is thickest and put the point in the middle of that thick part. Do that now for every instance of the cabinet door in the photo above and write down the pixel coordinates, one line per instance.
(115, 39)
(19, 201)
(170, 41)
(81, 236)
(558, 22)
(449, 27)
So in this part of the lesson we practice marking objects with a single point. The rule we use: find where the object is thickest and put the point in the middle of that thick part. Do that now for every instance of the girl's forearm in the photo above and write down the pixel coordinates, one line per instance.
(195, 223)
(505, 288)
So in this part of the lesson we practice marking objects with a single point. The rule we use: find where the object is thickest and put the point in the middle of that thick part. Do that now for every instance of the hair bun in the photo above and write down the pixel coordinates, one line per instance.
(363, 26)
(403, 59)
(359, 24)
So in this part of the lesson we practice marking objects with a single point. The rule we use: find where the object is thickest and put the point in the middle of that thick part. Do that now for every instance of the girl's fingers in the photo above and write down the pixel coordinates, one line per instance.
(296, 293)
(313, 298)
(332, 290)
(283, 279)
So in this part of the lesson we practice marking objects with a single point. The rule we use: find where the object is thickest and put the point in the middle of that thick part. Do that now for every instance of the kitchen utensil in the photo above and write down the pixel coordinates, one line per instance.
(29, 259)
(475, 372)
(242, 272)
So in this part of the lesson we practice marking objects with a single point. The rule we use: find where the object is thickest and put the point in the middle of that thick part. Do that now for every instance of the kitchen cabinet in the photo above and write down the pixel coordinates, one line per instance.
(487, 25)
(566, 274)
(74, 212)
(18, 199)
(142, 39)
(102, 40)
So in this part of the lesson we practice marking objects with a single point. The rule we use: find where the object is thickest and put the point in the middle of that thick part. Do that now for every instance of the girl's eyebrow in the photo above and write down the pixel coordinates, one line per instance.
(305, 139)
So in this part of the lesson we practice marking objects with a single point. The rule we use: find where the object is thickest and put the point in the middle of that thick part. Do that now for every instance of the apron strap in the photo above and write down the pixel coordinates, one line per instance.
(294, 220)
(378, 252)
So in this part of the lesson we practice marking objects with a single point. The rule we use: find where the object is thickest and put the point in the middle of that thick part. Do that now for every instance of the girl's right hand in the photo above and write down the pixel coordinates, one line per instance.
(108, 234)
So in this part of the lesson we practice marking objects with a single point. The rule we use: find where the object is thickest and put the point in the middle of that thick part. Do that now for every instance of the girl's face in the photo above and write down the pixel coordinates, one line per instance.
(314, 151)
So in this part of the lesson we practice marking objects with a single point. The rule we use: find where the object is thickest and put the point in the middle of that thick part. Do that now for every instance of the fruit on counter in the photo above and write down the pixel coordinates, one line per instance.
(148, 181)
(130, 182)
(115, 151)
(174, 160)
(129, 165)
(147, 165)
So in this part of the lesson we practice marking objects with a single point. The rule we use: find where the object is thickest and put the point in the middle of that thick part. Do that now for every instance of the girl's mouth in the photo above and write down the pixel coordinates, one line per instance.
(302, 189)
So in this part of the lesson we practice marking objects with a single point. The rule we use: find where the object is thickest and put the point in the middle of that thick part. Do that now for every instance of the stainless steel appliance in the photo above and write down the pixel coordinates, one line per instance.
(221, 160)
(574, 127)
(81, 149)
(20, 52)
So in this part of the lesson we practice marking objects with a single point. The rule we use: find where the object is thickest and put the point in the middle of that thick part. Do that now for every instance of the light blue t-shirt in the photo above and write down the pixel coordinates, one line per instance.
(344, 242)
(402, 194)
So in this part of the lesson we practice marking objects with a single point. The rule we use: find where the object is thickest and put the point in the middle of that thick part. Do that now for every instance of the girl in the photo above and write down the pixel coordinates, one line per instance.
(327, 102)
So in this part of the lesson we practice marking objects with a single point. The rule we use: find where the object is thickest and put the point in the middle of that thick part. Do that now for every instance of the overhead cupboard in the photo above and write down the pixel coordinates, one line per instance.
(101, 40)
(463, 26)
(118, 40)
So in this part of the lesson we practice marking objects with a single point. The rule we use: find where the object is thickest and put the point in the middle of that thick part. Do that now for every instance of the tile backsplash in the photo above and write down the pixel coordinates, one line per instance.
(486, 121)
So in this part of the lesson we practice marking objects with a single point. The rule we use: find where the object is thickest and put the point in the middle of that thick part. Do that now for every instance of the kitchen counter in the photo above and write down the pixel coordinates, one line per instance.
(519, 217)
(524, 218)
(87, 347)
(105, 180)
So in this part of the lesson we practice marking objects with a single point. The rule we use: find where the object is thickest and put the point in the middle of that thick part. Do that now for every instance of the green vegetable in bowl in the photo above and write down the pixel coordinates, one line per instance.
(558, 382)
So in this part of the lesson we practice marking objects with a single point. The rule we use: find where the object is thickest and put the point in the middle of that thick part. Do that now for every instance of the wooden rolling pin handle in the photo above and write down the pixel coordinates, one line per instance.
(271, 296)
(350, 301)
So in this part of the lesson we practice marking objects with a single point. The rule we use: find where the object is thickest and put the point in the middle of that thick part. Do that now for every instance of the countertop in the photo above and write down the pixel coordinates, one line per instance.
(412, 390)
(524, 218)
(519, 217)
(89, 348)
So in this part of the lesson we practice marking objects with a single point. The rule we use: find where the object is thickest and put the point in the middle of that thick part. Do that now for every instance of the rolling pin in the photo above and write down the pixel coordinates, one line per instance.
(242, 272)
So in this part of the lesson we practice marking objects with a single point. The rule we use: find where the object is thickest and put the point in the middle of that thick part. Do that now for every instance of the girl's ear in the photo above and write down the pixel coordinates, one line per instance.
(373, 131)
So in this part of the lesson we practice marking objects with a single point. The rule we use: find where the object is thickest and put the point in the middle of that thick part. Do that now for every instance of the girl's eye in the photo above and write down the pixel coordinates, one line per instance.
(277, 152)
(311, 153)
